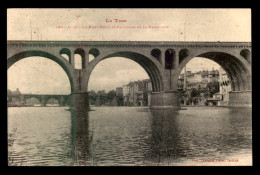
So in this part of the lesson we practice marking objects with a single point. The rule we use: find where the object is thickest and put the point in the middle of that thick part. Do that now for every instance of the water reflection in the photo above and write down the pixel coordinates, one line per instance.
(164, 136)
(121, 136)
(173, 136)
(210, 134)
(80, 138)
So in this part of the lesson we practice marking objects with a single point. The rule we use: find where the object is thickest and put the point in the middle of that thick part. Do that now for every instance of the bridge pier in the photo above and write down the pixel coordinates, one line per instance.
(79, 101)
(165, 100)
(43, 101)
(79, 98)
(61, 101)
(43, 104)
(240, 98)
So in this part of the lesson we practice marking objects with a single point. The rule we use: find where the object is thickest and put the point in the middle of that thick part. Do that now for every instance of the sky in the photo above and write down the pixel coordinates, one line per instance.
(183, 25)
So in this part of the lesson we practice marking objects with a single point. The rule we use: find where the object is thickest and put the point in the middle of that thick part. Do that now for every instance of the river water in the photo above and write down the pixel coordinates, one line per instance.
(129, 136)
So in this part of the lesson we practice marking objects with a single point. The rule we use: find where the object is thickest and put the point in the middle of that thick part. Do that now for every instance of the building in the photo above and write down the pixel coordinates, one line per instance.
(224, 86)
(119, 91)
(198, 80)
(119, 97)
(15, 98)
(126, 92)
(180, 83)
(137, 93)
(196, 83)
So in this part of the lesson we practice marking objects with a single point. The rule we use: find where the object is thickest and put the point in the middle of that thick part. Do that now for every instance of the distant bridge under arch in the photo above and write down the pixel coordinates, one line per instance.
(163, 62)
(63, 100)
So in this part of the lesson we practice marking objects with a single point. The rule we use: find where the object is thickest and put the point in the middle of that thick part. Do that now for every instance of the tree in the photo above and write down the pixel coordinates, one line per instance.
(92, 96)
(194, 92)
(213, 87)
(97, 102)
(111, 95)
(102, 96)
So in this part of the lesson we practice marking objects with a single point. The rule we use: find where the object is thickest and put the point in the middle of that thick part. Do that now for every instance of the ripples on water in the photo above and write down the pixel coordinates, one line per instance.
(119, 136)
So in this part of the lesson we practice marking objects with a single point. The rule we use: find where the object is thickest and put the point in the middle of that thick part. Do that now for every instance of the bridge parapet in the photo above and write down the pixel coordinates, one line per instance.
(136, 44)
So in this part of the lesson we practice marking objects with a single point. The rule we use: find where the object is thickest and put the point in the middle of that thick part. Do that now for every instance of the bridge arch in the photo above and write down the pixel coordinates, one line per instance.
(170, 57)
(48, 99)
(81, 53)
(95, 52)
(237, 70)
(67, 52)
(27, 99)
(149, 66)
(157, 53)
(58, 59)
(246, 54)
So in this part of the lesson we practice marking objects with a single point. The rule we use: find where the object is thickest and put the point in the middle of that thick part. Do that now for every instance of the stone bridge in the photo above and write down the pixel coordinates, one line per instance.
(63, 100)
(163, 62)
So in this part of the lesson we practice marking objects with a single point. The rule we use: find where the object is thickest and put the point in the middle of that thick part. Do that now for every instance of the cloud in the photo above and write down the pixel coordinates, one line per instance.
(38, 75)
(115, 72)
